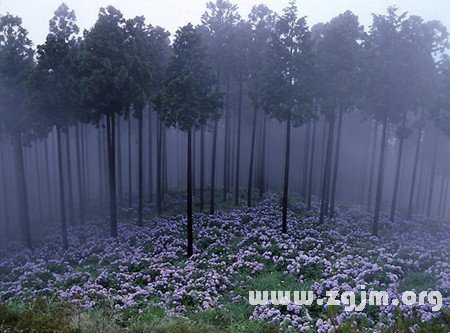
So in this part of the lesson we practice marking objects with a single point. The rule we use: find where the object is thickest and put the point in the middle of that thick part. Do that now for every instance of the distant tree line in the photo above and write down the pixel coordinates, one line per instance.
(220, 84)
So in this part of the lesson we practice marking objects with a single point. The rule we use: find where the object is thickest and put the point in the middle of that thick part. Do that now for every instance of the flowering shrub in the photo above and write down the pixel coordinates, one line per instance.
(147, 265)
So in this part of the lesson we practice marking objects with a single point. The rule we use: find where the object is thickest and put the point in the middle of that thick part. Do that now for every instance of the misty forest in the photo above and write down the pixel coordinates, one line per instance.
(149, 182)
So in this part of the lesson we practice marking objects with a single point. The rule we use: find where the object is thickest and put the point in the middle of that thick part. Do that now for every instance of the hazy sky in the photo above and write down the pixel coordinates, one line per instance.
(172, 14)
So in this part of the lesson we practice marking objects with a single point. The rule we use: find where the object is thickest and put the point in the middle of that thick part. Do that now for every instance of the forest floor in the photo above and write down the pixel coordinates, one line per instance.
(141, 281)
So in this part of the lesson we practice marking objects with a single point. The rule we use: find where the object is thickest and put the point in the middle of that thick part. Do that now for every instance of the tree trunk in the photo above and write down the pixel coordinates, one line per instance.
(150, 157)
(311, 167)
(61, 191)
(86, 167)
(252, 158)
(444, 204)
(372, 169)
(111, 140)
(336, 165)
(262, 179)
(397, 179)
(362, 190)
(238, 146)
(286, 174)
(190, 236)
(379, 192)
(158, 169)
(38, 180)
(227, 143)
(432, 177)
(213, 170)
(47, 176)
(130, 175)
(69, 178)
(202, 168)
(304, 180)
(326, 173)
(5, 193)
(79, 172)
(414, 175)
(441, 194)
(100, 167)
(140, 169)
(119, 163)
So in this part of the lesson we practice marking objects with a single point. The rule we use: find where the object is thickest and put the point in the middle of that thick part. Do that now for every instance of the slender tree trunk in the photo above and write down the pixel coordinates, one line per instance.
(414, 175)
(194, 161)
(444, 204)
(286, 174)
(69, 178)
(158, 169)
(262, 180)
(5, 193)
(47, 176)
(361, 195)
(61, 191)
(111, 141)
(140, 169)
(432, 177)
(38, 180)
(150, 156)
(304, 180)
(165, 186)
(379, 192)
(372, 169)
(397, 179)
(336, 165)
(213, 170)
(311, 167)
(119, 162)
(238, 146)
(441, 194)
(130, 175)
(79, 171)
(86, 167)
(202, 168)
(190, 236)
(252, 158)
(227, 143)
(327, 173)
(100, 167)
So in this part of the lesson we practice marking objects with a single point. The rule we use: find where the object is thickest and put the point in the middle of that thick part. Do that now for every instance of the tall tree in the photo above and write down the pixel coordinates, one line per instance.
(106, 84)
(189, 97)
(288, 87)
(16, 61)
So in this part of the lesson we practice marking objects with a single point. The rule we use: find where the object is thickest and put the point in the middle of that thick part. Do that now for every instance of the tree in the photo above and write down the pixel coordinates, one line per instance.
(106, 84)
(188, 99)
(144, 58)
(16, 63)
(288, 77)
(55, 94)
(262, 21)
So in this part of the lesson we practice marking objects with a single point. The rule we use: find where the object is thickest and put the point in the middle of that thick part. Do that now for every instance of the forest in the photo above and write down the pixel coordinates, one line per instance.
(150, 182)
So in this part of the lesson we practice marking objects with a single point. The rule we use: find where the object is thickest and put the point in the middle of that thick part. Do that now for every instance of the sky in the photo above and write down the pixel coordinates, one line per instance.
(171, 14)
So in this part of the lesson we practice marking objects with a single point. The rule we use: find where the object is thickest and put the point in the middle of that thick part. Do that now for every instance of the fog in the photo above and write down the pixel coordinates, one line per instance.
(277, 141)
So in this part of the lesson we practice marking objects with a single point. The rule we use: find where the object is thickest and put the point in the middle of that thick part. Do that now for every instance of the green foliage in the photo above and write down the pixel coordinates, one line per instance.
(189, 96)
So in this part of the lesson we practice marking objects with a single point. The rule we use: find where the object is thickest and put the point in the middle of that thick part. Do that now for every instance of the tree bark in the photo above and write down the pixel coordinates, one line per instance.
(286, 174)
(61, 191)
(190, 237)
(227, 143)
(336, 165)
(111, 141)
(414, 175)
(79, 172)
(304, 180)
(379, 192)
(311, 167)
(432, 177)
(47, 176)
(252, 158)
(100, 166)
(262, 177)
(119, 163)
(69, 178)
(326, 173)
(5, 193)
(158, 169)
(140, 169)
(202, 168)
(150, 157)
(130, 175)
(372, 169)
(238, 146)
(397, 179)
(213, 169)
